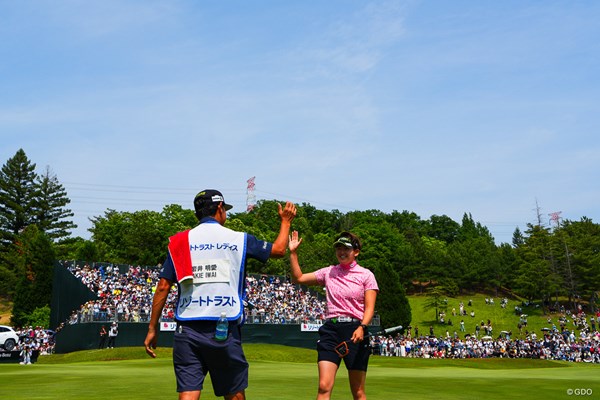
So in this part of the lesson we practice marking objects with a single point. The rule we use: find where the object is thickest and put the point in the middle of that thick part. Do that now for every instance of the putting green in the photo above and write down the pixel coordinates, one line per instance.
(387, 379)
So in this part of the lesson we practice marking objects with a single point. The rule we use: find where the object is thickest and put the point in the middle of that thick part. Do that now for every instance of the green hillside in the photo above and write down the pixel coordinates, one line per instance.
(502, 319)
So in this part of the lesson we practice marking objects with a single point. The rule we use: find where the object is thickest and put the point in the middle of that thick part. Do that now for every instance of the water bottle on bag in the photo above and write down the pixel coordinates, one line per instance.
(222, 328)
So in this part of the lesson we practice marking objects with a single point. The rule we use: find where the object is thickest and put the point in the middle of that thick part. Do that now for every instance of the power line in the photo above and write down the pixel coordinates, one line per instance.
(132, 189)
(177, 199)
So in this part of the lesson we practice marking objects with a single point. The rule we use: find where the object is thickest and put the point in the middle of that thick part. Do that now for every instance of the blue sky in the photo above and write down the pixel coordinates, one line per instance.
(435, 107)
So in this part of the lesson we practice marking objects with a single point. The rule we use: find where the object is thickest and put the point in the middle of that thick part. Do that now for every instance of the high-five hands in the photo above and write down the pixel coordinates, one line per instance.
(288, 213)
(294, 241)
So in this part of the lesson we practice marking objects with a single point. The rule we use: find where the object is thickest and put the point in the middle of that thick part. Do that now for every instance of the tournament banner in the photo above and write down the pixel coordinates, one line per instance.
(168, 326)
(309, 327)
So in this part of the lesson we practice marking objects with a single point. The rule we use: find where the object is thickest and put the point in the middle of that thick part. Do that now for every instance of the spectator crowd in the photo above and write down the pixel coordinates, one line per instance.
(123, 297)
(127, 297)
(35, 339)
(563, 346)
(560, 342)
(272, 300)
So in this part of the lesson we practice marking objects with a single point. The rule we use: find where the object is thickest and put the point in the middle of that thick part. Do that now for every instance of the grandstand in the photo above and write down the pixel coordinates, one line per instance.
(125, 293)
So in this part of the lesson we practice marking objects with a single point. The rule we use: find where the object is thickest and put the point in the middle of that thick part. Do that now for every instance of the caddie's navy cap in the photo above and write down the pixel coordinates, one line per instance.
(208, 197)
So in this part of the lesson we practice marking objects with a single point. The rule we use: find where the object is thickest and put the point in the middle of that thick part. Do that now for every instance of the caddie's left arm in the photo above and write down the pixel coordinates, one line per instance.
(370, 298)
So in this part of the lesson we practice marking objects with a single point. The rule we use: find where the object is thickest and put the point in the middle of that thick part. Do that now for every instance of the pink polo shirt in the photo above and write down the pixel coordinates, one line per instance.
(346, 288)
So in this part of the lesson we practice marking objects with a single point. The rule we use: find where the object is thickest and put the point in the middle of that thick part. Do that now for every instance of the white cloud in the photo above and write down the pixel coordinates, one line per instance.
(353, 43)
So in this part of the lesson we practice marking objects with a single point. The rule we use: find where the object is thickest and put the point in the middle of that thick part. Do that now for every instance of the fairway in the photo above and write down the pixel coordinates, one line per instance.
(388, 378)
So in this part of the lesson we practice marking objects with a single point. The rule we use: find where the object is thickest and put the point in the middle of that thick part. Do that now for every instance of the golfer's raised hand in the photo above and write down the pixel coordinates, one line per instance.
(294, 241)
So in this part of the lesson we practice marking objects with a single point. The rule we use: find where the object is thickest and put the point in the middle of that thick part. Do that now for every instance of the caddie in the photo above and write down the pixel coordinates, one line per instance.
(208, 265)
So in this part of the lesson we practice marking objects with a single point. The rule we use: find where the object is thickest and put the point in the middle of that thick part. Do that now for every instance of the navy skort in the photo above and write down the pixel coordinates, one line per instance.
(332, 334)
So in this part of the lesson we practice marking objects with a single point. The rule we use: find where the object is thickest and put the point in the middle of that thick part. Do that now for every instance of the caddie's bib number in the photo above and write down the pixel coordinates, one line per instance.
(211, 271)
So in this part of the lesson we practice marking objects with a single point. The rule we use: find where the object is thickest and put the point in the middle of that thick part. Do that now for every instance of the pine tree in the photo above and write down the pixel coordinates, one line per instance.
(17, 196)
(33, 252)
(50, 208)
(392, 304)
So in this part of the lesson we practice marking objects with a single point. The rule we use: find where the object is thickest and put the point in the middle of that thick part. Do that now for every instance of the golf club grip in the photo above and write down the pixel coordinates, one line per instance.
(388, 330)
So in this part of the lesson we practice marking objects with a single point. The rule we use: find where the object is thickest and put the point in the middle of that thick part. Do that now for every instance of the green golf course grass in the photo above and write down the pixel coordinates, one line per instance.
(279, 372)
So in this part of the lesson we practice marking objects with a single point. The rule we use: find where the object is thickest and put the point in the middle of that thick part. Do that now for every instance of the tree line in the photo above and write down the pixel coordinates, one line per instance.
(407, 253)
(33, 215)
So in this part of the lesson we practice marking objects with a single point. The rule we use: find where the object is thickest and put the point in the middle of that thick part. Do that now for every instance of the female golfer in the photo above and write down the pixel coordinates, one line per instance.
(351, 294)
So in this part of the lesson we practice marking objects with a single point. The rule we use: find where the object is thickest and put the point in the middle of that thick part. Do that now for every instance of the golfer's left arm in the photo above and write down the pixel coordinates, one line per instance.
(360, 332)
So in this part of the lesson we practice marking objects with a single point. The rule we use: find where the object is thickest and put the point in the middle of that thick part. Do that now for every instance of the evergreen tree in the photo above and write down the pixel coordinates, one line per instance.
(51, 214)
(435, 301)
(17, 196)
(34, 253)
(87, 251)
(8, 280)
(518, 239)
(443, 228)
(578, 250)
(536, 276)
(392, 304)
